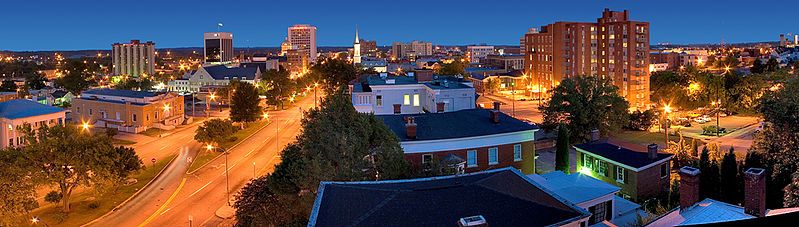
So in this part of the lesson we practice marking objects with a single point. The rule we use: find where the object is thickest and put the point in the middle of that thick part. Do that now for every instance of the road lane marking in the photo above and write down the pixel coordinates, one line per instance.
(157, 212)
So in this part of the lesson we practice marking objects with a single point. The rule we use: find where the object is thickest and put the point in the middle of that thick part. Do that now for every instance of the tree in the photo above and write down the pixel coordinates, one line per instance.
(17, 191)
(772, 65)
(136, 84)
(53, 197)
(245, 105)
(758, 67)
(792, 191)
(641, 120)
(35, 80)
(277, 86)
(215, 131)
(729, 178)
(562, 150)
(8, 86)
(452, 68)
(709, 179)
(336, 143)
(64, 156)
(334, 72)
(77, 77)
(585, 103)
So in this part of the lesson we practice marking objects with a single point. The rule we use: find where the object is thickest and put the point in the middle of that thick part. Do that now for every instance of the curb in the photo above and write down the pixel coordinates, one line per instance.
(131, 196)
(231, 147)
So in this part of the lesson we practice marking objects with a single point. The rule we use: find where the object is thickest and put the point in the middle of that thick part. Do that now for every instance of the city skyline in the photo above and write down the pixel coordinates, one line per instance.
(173, 25)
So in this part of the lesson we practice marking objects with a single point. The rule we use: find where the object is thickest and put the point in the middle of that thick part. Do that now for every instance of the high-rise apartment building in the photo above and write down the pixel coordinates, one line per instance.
(614, 47)
(218, 47)
(134, 58)
(303, 38)
(411, 50)
(368, 48)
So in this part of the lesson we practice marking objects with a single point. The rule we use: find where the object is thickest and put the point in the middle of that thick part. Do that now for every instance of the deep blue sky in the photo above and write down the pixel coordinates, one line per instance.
(84, 24)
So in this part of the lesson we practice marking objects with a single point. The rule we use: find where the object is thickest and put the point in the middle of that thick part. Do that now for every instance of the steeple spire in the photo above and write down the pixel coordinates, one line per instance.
(356, 34)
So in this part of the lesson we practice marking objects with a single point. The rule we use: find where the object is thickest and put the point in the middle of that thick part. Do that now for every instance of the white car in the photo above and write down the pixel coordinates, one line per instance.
(701, 120)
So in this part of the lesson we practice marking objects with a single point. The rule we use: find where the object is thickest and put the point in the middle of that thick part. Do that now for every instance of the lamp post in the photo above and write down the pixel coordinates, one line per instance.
(315, 85)
(718, 103)
(208, 100)
(36, 220)
(227, 180)
(666, 111)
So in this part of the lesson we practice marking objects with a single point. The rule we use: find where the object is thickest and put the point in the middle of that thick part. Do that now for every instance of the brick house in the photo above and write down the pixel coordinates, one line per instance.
(641, 175)
(465, 141)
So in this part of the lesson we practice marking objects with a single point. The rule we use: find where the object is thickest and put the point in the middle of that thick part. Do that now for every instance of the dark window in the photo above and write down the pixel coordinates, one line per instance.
(134, 117)
(212, 52)
(664, 169)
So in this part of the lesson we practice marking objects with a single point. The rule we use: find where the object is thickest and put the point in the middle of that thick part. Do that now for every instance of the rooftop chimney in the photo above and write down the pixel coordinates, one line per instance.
(755, 192)
(473, 221)
(689, 186)
(495, 113)
(410, 128)
(440, 107)
(652, 151)
(496, 106)
(595, 135)
(397, 108)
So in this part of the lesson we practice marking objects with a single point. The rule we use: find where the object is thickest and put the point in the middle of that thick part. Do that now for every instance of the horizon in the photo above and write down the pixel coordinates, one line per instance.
(97, 24)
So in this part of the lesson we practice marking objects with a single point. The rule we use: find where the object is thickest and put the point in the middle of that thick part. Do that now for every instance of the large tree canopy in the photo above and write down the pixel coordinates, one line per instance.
(585, 103)
(336, 144)
(245, 105)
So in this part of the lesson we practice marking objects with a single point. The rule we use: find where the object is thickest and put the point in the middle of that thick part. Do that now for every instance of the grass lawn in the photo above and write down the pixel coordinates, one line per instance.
(205, 156)
(644, 138)
(153, 132)
(82, 213)
(121, 142)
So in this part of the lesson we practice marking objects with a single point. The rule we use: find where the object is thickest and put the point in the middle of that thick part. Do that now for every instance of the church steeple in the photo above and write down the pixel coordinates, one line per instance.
(357, 40)
(356, 48)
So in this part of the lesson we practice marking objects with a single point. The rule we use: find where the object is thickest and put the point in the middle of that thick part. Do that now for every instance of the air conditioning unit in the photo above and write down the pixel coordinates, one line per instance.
(473, 221)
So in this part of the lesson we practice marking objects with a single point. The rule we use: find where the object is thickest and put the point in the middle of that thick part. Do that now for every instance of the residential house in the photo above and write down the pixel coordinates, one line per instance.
(640, 175)
(390, 94)
(467, 140)
(216, 75)
(500, 197)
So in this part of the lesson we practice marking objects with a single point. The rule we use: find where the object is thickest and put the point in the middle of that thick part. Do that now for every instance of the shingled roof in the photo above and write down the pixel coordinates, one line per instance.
(219, 72)
(456, 124)
(504, 197)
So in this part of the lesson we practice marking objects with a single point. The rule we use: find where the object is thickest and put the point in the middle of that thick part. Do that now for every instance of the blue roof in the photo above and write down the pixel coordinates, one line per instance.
(120, 93)
(21, 108)
(576, 187)
(635, 159)
(219, 72)
(456, 124)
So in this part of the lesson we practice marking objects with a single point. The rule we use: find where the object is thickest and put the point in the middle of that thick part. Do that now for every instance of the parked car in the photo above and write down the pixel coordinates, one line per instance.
(700, 120)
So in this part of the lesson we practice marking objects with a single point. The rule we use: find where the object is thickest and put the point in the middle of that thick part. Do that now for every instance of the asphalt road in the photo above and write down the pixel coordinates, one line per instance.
(175, 195)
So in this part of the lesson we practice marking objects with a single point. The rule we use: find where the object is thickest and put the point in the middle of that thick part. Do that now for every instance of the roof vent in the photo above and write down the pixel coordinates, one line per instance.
(477, 220)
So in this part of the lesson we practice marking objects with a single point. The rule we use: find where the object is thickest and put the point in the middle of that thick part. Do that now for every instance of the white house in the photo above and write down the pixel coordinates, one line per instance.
(216, 75)
(390, 94)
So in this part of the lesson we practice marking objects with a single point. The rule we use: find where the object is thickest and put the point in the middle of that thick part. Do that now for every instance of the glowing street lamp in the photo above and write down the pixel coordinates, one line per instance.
(85, 126)
(265, 115)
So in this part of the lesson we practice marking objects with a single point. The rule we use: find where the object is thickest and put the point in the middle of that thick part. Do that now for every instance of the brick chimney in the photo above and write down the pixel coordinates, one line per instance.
(755, 192)
(439, 107)
(496, 106)
(397, 108)
(652, 151)
(595, 135)
(494, 114)
(410, 128)
(689, 186)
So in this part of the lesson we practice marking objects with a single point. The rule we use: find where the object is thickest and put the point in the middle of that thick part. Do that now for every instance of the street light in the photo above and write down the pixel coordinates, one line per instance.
(85, 126)
(666, 111)
(227, 180)
(36, 220)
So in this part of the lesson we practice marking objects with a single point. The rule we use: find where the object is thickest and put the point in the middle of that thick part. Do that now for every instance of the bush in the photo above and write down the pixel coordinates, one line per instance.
(53, 197)
(94, 205)
(641, 121)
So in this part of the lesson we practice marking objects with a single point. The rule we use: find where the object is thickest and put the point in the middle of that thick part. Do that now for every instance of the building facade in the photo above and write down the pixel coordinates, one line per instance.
(411, 50)
(217, 75)
(19, 112)
(469, 140)
(218, 47)
(384, 94)
(128, 111)
(477, 53)
(303, 38)
(133, 59)
(505, 61)
(614, 48)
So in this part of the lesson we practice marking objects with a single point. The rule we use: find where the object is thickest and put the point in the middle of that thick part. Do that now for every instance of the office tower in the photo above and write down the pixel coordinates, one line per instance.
(303, 38)
(614, 47)
(134, 58)
(411, 50)
(218, 47)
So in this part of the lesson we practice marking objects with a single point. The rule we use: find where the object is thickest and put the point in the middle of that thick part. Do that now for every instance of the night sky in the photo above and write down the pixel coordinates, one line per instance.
(82, 24)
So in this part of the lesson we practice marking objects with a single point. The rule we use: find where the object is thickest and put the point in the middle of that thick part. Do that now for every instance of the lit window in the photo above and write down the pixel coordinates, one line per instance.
(517, 152)
(379, 100)
(407, 99)
(471, 157)
(492, 156)
(415, 99)
(620, 174)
